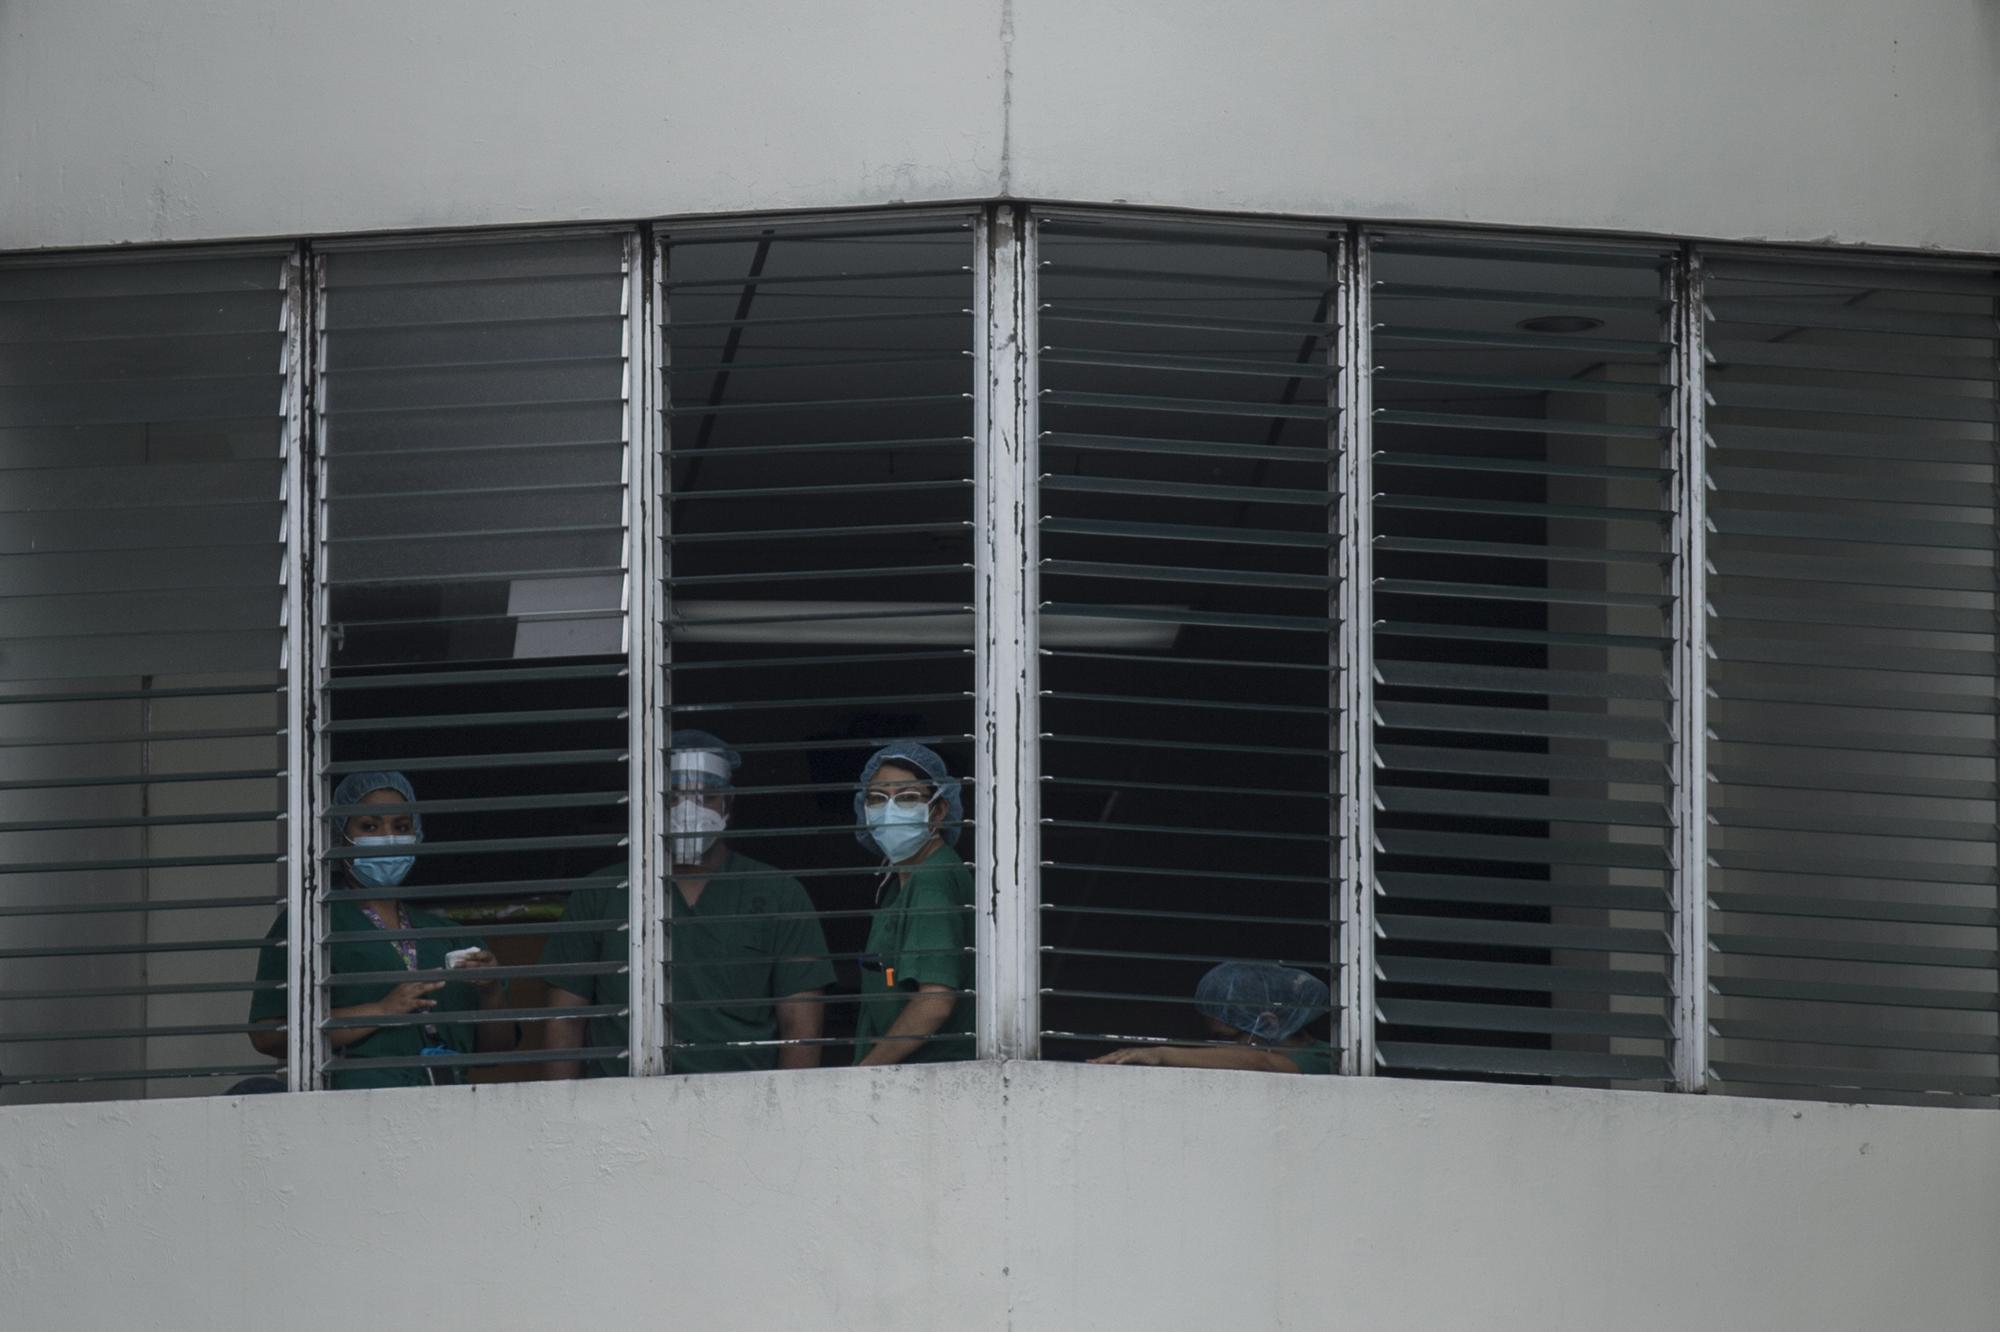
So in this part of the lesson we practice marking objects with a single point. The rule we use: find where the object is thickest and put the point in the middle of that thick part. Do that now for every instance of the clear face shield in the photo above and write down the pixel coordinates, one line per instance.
(698, 814)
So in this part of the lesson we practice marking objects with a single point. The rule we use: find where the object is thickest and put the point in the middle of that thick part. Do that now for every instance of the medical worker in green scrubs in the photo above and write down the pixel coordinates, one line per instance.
(366, 907)
(749, 961)
(1256, 1012)
(918, 965)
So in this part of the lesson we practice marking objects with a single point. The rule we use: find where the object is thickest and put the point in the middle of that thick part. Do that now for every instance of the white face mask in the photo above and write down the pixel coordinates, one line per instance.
(694, 828)
(901, 829)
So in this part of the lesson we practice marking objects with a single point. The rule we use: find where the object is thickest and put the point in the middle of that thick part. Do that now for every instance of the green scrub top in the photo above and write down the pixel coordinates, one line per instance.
(922, 933)
(376, 955)
(749, 939)
(1313, 1057)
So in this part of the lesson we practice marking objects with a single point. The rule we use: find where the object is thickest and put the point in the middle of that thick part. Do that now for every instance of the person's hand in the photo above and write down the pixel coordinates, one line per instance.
(483, 958)
(1145, 1054)
(409, 997)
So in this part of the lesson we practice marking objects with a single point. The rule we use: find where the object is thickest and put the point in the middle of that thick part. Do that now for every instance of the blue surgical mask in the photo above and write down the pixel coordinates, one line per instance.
(383, 871)
(901, 832)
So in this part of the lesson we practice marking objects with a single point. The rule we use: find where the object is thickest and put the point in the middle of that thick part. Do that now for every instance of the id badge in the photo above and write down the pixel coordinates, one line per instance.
(440, 1077)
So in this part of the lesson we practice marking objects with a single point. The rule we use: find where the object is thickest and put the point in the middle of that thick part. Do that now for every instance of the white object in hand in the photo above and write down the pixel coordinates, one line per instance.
(458, 957)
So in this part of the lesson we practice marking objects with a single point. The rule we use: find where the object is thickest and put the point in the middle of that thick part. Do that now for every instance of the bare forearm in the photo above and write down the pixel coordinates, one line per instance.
(342, 1037)
(270, 1041)
(801, 1017)
(563, 1034)
(273, 1042)
(924, 1014)
(491, 1037)
(1226, 1056)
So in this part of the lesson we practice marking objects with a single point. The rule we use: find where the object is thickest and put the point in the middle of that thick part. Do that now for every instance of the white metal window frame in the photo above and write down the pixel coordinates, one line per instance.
(309, 652)
(1007, 932)
(1685, 669)
(305, 1044)
(646, 631)
(1694, 941)
(1006, 424)
(1356, 807)
(1687, 680)
(1003, 370)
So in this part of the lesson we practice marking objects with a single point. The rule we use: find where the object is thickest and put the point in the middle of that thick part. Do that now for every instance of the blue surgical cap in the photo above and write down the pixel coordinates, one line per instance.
(699, 756)
(921, 758)
(1268, 1001)
(358, 784)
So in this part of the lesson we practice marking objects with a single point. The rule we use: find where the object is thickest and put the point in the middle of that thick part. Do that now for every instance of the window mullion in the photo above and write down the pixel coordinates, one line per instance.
(1354, 812)
(1690, 687)
(305, 620)
(1007, 874)
(647, 651)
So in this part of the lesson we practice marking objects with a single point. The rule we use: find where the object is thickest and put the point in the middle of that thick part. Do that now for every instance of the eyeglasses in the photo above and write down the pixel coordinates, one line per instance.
(908, 801)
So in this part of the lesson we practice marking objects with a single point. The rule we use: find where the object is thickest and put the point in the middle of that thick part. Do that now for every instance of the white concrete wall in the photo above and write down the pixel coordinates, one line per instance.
(1798, 120)
(1023, 1197)
(1801, 120)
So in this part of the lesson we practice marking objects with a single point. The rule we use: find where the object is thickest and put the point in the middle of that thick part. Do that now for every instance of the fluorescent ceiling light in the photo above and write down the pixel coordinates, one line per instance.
(558, 617)
(936, 623)
(1560, 323)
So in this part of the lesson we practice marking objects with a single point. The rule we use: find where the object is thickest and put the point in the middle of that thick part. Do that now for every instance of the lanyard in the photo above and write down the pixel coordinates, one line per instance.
(405, 949)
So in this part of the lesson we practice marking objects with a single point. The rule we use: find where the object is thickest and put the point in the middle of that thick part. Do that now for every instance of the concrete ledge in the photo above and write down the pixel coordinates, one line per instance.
(1023, 1196)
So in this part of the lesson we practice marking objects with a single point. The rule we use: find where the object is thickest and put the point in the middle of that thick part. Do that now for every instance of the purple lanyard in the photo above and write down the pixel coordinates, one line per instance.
(405, 948)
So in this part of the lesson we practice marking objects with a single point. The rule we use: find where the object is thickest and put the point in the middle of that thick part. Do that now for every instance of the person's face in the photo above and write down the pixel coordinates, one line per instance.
(894, 784)
(364, 824)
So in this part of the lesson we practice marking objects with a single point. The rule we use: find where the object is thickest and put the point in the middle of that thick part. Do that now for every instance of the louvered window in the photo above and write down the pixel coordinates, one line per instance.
(1188, 624)
(1524, 735)
(144, 530)
(474, 430)
(819, 394)
(1570, 660)
(1851, 474)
